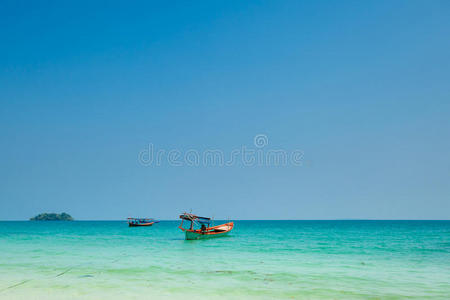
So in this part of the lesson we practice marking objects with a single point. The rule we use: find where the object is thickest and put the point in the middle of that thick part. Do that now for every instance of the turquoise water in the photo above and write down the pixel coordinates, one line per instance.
(259, 259)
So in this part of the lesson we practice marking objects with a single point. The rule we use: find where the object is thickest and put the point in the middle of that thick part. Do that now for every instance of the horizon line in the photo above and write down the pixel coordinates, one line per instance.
(124, 220)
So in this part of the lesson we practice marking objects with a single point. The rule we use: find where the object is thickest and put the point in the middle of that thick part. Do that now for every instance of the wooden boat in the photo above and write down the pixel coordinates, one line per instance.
(206, 230)
(137, 222)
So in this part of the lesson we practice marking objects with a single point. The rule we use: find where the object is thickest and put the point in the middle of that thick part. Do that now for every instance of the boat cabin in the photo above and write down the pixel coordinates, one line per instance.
(195, 221)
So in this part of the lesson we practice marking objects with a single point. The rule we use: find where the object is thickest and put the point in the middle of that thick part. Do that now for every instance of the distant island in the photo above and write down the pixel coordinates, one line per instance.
(52, 217)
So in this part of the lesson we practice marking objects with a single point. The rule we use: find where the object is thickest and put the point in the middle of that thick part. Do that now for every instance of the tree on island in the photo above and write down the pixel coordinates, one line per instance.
(52, 217)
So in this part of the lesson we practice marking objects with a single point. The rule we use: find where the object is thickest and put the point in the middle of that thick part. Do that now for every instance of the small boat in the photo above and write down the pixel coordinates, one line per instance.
(137, 222)
(206, 230)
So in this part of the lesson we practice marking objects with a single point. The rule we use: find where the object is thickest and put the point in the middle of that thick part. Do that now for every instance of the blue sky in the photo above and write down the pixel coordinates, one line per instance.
(360, 87)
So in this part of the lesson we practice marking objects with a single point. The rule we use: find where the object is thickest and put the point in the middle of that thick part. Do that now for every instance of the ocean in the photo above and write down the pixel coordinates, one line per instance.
(258, 260)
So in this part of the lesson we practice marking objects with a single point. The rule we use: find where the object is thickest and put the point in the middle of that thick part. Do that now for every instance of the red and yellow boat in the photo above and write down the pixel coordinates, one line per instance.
(137, 222)
(205, 229)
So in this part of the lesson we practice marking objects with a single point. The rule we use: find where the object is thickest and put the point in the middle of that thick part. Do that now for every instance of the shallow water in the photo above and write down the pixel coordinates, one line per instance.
(259, 259)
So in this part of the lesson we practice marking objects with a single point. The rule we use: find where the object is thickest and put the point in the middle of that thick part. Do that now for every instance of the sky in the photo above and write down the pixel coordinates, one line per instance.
(359, 88)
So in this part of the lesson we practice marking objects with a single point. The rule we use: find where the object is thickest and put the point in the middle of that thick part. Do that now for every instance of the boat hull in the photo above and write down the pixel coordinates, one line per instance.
(140, 225)
(212, 232)
(199, 236)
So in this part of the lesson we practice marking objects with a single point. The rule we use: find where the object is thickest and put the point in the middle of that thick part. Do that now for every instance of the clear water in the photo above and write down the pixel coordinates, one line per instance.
(259, 259)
